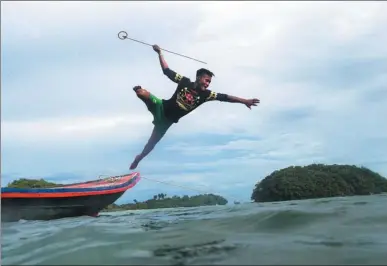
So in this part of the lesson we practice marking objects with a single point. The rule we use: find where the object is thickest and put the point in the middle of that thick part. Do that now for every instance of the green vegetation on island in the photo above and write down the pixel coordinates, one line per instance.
(318, 181)
(32, 183)
(162, 201)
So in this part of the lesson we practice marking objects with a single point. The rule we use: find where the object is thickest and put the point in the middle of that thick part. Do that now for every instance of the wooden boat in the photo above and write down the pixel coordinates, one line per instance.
(72, 200)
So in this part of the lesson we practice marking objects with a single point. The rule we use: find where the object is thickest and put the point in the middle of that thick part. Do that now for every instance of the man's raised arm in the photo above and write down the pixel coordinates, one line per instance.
(172, 75)
(232, 99)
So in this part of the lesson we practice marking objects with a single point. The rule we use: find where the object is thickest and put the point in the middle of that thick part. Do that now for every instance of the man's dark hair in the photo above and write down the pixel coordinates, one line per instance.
(204, 71)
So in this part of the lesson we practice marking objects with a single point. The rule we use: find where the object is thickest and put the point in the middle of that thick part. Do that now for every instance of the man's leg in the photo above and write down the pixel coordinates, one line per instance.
(155, 106)
(156, 136)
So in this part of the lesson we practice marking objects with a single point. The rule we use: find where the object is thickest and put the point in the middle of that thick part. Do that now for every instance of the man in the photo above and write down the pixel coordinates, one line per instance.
(187, 97)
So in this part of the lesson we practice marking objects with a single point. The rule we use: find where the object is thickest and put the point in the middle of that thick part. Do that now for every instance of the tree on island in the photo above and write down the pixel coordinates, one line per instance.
(318, 181)
(170, 202)
(32, 183)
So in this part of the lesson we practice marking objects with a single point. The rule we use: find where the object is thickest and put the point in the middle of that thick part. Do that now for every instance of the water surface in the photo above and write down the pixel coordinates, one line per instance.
(351, 230)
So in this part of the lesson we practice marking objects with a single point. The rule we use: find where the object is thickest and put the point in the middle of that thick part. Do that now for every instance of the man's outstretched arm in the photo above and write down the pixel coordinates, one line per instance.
(172, 75)
(233, 99)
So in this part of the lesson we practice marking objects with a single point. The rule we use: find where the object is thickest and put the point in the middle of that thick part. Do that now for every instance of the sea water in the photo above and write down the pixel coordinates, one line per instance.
(348, 230)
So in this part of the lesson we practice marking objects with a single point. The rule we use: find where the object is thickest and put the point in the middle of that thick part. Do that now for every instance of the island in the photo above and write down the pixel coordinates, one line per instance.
(158, 201)
(32, 183)
(162, 201)
(318, 181)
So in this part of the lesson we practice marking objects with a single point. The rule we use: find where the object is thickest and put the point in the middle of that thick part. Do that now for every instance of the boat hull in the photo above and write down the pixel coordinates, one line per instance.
(72, 200)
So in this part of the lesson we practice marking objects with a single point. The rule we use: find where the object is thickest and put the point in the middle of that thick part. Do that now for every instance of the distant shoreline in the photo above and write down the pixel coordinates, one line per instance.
(161, 201)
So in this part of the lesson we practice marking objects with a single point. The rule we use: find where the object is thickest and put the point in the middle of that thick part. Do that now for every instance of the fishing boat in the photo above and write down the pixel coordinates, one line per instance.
(72, 200)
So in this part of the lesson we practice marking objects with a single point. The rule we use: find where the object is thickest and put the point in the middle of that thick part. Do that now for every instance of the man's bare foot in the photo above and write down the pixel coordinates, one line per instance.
(136, 88)
(135, 162)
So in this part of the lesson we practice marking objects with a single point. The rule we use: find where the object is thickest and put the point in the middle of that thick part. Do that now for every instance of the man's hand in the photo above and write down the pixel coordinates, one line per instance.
(247, 102)
(156, 48)
(251, 102)
(163, 63)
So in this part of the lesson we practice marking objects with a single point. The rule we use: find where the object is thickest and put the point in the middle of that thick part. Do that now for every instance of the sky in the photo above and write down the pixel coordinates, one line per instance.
(68, 112)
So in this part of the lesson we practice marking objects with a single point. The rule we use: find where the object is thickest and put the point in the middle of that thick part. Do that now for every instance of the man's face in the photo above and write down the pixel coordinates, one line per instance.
(204, 81)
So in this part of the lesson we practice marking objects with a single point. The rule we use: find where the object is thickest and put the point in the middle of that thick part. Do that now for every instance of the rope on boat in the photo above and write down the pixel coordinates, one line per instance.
(112, 179)
(185, 187)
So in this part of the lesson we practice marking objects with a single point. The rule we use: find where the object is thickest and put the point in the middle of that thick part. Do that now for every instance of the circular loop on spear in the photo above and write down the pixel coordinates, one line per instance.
(122, 35)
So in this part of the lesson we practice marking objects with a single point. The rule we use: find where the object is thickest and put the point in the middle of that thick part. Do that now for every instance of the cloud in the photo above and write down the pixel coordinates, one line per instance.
(68, 105)
(64, 130)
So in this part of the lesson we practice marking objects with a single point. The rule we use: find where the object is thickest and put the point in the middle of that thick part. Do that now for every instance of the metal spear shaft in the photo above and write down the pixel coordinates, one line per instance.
(122, 35)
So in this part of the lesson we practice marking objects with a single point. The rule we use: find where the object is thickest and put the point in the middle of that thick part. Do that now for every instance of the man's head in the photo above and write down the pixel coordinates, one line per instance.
(203, 78)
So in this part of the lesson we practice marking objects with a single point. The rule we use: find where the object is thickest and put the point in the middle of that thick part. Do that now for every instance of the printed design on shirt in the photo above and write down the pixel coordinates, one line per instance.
(178, 77)
(187, 99)
(212, 96)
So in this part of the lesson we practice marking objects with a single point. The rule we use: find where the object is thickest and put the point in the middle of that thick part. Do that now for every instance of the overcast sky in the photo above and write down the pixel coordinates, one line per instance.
(69, 112)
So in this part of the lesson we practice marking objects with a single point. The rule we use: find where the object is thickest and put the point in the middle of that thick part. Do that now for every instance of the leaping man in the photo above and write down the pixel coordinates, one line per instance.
(186, 98)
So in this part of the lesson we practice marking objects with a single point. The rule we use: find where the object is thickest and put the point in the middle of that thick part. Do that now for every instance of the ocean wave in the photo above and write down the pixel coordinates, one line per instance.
(248, 234)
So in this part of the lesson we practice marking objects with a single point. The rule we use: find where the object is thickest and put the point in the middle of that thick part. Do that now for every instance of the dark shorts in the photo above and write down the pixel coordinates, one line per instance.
(161, 123)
